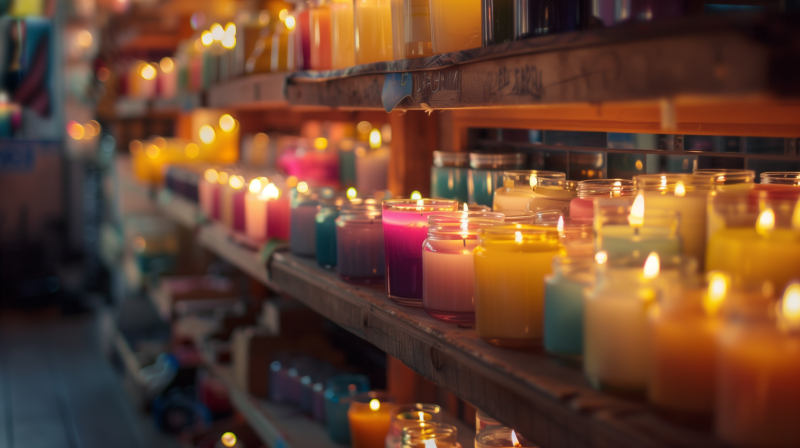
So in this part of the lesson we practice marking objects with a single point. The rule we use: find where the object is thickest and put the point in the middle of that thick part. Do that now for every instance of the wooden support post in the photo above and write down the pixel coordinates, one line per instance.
(415, 135)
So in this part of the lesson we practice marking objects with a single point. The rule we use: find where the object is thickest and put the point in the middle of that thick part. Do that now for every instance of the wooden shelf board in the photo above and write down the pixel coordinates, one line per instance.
(262, 91)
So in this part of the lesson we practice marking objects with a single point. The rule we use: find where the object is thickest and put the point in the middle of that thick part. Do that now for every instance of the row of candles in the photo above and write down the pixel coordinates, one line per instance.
(607, 270)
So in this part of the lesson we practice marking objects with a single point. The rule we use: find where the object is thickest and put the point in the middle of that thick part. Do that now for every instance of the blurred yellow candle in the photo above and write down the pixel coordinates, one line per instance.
(373, 38)
(455, 25)
(342, 34)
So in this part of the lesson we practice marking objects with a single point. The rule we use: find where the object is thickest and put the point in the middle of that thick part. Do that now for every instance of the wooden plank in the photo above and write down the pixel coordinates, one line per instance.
(414, 138)
(217, 239)
(262, 91)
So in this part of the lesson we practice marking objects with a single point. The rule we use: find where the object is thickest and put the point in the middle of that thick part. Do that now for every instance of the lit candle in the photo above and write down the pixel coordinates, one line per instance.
(359, 245)
(373, 31)
(563, 304)
(455, 25)
(339, 392)
(583, 205)
(208, 190)
(448, 285)
(519, 188)
(429, 435)
(255, 210)
(501, 438)
(510, 265)
(320, 37)
(370, 417)
(758, 395)
(623, 228)
(405, 228)
(409, 416)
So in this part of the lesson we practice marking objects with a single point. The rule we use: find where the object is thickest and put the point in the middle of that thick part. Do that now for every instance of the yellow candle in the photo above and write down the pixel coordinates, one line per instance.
(373, 38)
(342, 34)
(455, 25)
(510, 265)
(369, 422)
(758, 402)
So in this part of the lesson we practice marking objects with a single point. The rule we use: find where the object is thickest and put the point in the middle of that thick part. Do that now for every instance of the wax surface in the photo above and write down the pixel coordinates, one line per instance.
(622, 240)
(450, 183)
(448, 279)
(563, 314)
(360, 250)
(374, 33)
(456, 25)
(368, 428)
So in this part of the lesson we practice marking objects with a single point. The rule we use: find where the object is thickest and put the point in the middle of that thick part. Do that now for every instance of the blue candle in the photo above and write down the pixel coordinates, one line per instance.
(326, 233)
(563, 305)
(449, 176)
(338, 394)
(486, 174)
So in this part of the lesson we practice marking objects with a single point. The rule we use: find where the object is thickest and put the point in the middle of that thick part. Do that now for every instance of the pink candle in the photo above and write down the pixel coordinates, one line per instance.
(208, 190)
(405, 227)
(278, 218)
(582, 207)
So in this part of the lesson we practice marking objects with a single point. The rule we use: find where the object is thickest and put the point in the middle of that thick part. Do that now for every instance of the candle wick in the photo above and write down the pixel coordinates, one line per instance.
(465, 242)
(636, 231)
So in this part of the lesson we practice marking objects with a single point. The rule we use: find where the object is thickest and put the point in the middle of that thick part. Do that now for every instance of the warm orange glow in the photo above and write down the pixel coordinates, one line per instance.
(680, 190)
(796, 216)
(103, 74)
(148, 72)
(230, 29)
(416, 195)
(364, 127)
(167, 65)
(375, 139)
(652, 266)
(207, 134)
(75, 130)
(206, 38)
(766, 222)
(236, 182)
(302, 187)
(352, 193)
(153, 151)
(374, 404)
(135, 146)
(228, 41)
(518, 237)
(290, 23)
(217, 33)
(85, 39)
(92, 129)
(514, 439)
(601, 257)
(283, 14)
(211, 175)
(291, 181)
(534, 181)
(139, 244)
(261, 140)
(226, 123)
(191, 150)
(320, 144)
(560, 226)
(717, 291)
(255, 186)
(228, 439)
(161, 142)
(270, 192)
(223, 177)
(636, 218)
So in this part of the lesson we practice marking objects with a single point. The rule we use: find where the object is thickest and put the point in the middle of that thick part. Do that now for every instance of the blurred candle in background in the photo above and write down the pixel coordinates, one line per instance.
(208, 190)
(622, 228)
(518, 190)
(321, 36)
(455, 25)
(486, 174)
(583, 205)
(370, 417)
(373, 38)
(449, 176)
(417, 40)
(343, 50)
(501, 438)
(372, 166)
(563, 304)
(360, 250)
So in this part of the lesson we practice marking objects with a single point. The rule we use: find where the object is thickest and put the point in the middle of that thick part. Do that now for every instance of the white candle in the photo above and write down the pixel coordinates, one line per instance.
(519, 185)
(372, 169)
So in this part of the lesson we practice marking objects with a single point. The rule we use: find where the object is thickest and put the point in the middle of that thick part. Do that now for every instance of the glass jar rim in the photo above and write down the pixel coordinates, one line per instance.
(605, 187)
(724, 176)
(519, 217)
(497, 161)
(667, 182)
(450, 159)
(781, 177)
(511, 230)
(427, 431)
(419, 205)
(458, 216)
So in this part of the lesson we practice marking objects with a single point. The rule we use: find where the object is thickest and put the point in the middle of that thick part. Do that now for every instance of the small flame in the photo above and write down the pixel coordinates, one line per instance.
(663, 182)
(374, 404)
(717, 290)
(236, 182)
(790, 305)
(255, 186)
(560, 225)
(416, 195)
(302, 187)
(518, 237)
(352, 193)
(680, 190)
(375, 140)
(271, 191)
(601, 257)
(534, 181)
(636, 218)
(228, 439)
(796, 217)
(420, 204)
(652, 266)
(514, 439)
(211, 175)
(766, 222)
(421, 416)
(430, 443)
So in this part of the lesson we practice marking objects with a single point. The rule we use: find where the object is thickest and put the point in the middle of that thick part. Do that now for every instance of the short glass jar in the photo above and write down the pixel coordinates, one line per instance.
(730, 179)
(405, 228)
(519, 217)
(563, 304)
(583, 205)
(622, 229)
(409, 416)
(510, 265)
(449, 176)
(359, 245)
(577, 235)
(501, 438)
(448, 291)
(325, 231)
(370, 417)
(443, 436)
(519, 188)
(486, 174)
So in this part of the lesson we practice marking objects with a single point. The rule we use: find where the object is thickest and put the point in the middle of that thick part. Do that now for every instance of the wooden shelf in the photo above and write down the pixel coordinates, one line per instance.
(546, 399)
(179, 209)
(262, 91)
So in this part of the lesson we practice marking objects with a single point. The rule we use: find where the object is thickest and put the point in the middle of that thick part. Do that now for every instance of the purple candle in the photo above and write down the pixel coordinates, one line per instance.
(405, 228)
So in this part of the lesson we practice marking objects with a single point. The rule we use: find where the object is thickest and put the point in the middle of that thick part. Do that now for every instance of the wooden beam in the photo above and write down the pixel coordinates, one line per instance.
(415, 135)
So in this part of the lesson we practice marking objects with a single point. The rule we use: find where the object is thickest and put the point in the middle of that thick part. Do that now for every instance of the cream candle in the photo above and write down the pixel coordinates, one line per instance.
(405, 227)
(455, 25)
(448, 285)
(232, 203)
(583, 205)
(373, 39)
(518, 188)
(622, 228)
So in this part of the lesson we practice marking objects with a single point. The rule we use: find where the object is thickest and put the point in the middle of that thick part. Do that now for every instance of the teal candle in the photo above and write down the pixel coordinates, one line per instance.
(347, 164)
(338, 393)
(563, 305)
(326, 233)
(622, 240)
(449, 176)
(486, 174)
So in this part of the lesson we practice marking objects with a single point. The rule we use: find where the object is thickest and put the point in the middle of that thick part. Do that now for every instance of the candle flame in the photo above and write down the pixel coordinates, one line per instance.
(636, 218)
(416, 195)
(211, 175)
(790, 305)
(796, 217)
(663, 182)
(375, 140)
(680, 190)
(652, 266)
(421, 416)
(236, 182)
(228, 439)
(601, 257)
(374, 404)
(352, 193)
(271, 191)
(430, 443)
(534, 181)
(518, 237)
(514, 439)
(560, 225)
(255, 186)
(717, 290)
(222, 178)
(766, 222)
(302, 187)
(466, 209)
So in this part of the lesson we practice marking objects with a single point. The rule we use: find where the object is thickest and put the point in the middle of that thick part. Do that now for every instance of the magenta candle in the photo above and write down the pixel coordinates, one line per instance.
(405, 228)
(278, 211)
(582, 207)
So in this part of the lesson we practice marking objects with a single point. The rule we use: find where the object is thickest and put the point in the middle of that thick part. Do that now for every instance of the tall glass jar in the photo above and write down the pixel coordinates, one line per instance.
(325, 232)
(448, 285)
(373, 31)
(417, 36)
(456, 25)
(583, 205)
(405, 227)
(510, 265)
(540, 17)
(486, 174)
(498, 21)
(519, 188)
(563, 304)
(321, 36)
(343, 44)
(449, 175)
(359, 245)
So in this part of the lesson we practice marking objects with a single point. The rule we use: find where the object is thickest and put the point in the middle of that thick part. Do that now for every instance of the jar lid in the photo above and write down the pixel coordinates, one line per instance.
(781, 177)
(605, 187)
(502, 161)
(447, 158)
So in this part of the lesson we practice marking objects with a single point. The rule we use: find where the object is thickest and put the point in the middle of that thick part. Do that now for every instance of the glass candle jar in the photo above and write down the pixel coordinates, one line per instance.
(648, 10)
(449, 175)
(426, 435)
(208, 190)
(540, 17)
(359, 245)
(370, 417)
(405, 227)
(758, 366)
(325, 232)
(577, 235)
(563, 304)
(519, 188)
(486, 174)
(758, 239)
(417, 23)
(519, 217)
(302, 237)
(501, 438)
(685, 194)
(448, 286)
(343, 44)
(484, 422)
(510, 265)
(232, 203)
(339, 391)
(411, 415)
(456, 25)
(498, 21)
(373, 36)
(623, 229)
(791, 178)
(728, 180)
(583, 205)
(321, 36)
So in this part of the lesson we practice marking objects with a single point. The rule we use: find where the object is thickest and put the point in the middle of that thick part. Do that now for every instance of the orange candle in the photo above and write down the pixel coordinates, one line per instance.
(370, 417)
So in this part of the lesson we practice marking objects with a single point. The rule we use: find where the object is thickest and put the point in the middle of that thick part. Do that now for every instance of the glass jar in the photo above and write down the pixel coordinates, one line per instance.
(405, 227)
(417, 36)
(510, 265)
(486, 174)
(325, 231)
(339, 391)
(583, 205)
(448, 285)
(411, 415)
(343, 44)
(373, 36)
(620, 233)
(485, 422)
(519, 217)
(781, 178)
(519, 188)
(320, 36)
(648, 10)
(500, 438)
(577, 235)
(370, 417)
(260, 59)
(359, 245)
(449, 175)
(540, 17)
(443, 435)
(563, 304)
(498, 21)
(282, 49)
(726, 180)
(302, 237)
(686, 194)
(455, 25)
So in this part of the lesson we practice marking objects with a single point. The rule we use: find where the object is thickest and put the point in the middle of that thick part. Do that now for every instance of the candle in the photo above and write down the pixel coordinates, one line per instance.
(510, 265)
(327, 212)
(682, 360)
(232, 203)
(255, 210)
(428, 435)
(370, 416)
(417, 23)
(321, 37)
(758, 395)
(373, 38)
(583, 205)
(538, 18)
(449, 175)
(405, 227)
(360, 255)
(486, 174)
(498, 21)
(501, 438)
(339, 391)
(518, 190)
(448, 285)
(411, 415)
(685, 194)
(302, 234)
(371, 169)
(208, 190)
(484, 421)
(623, 228)
(563, 304)
(278, 213)
(779, 181)
(576, 235)
(455, 25)
(342, 34)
